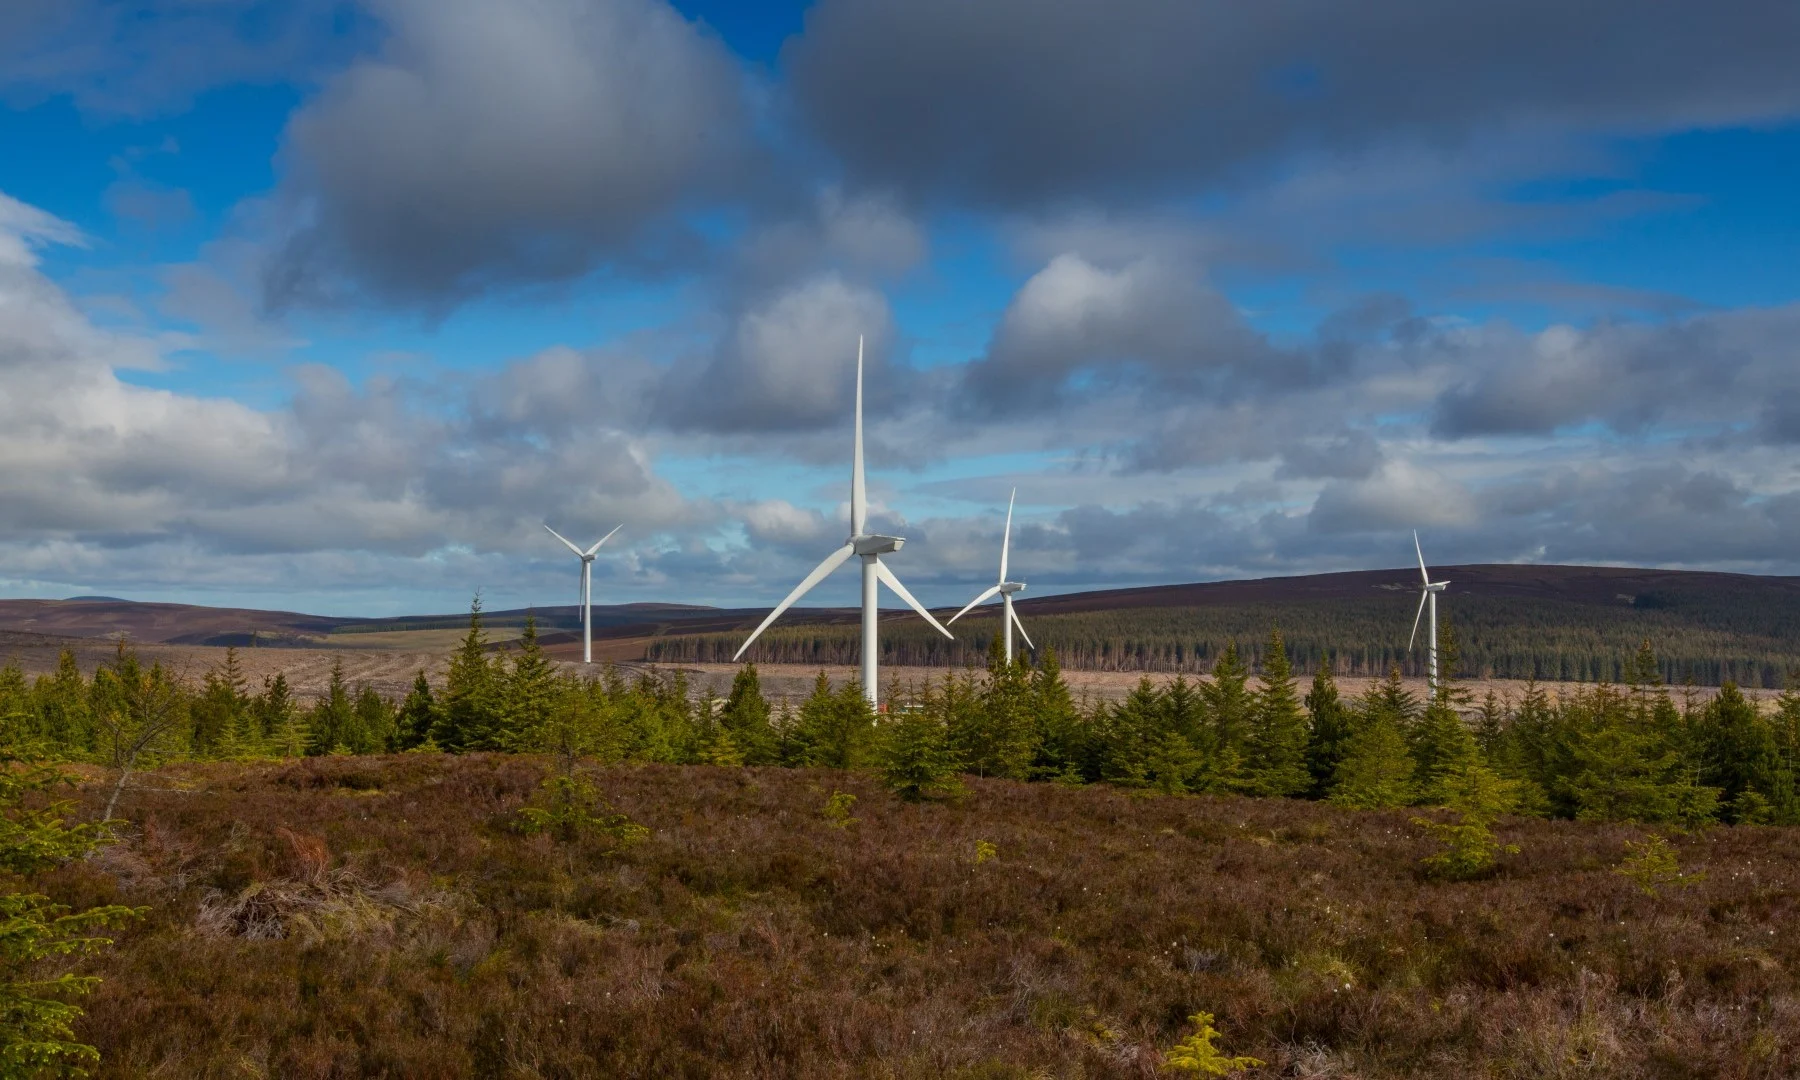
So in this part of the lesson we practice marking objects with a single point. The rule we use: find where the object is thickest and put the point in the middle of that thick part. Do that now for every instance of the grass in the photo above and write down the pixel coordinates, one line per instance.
(383, 917)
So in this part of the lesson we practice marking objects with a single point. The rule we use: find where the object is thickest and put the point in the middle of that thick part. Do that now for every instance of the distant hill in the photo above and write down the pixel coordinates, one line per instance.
(1550, 622)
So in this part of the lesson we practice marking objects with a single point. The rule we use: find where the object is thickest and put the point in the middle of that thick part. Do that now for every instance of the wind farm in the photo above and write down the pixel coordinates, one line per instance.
(332, 330)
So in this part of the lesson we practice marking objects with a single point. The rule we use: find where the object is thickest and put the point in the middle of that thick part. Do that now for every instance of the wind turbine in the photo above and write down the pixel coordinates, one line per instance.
(1428, 594)
(587, 588)
(1005, 588)
(871, 547)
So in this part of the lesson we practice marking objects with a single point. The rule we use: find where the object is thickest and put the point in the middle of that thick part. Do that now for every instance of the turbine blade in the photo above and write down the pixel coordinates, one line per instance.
(859, 495)
(820, 573)
(1014, 612)
(602, 540)
(892, 582)
(989, 592)
(1424, 596)
(565, 541)
(1006, 537)
(1423, 574)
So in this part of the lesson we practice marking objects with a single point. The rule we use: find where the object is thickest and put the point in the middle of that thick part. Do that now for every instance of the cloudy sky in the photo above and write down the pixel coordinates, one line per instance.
(330, 304)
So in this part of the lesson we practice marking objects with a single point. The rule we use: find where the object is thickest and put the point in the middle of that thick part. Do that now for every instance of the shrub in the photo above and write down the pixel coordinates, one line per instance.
(1197, 1054)
(1652, 866)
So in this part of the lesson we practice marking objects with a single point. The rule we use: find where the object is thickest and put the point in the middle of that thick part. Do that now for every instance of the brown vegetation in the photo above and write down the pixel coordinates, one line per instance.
(340, 917)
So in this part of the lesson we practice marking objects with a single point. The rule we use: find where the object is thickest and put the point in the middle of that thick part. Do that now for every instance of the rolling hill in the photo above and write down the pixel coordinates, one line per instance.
(1513, 621)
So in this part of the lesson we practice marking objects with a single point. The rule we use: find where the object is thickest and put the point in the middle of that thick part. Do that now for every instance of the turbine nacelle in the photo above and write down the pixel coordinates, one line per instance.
(875, 544)
(1010, 587)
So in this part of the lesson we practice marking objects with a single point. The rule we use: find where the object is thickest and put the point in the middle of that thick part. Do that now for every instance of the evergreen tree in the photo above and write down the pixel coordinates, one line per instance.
(1278, 737)
(1331, 725)
(1376, 771)
(915, 757)
(284, 730)
(835, 729)
(374, 729)
(527, 690)
(418, 715)
(1738, 756)
(745, 718)
(1060, 746)
(1137, 748)
(1441, 747)
(470, 716)
(68, 722)
(37, 1035)
(1229, 710)
(332, 725)
(1000, 742)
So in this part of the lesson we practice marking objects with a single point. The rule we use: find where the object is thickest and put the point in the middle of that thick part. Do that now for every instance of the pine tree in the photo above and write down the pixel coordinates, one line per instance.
(1229, 711)
(37, 1036)
(374, 729)
(1278, 739)
(471, 705)
(915, 757)
(330, 724)
(525, 698)
(1059, 741)
(1441, 747)
(68, 721)
(1331, 725)
(1738, 756)
(835, 729)
(1376, 771)
(284, 730)
(1002, 745)
(746, 718)
(418, 715)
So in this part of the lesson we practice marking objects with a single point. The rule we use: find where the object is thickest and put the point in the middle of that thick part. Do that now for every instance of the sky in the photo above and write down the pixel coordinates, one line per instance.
(330, 305)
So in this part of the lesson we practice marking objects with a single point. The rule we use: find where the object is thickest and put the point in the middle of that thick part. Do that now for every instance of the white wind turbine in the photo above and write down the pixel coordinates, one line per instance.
(587, 588)
(1428, 594)
(868, 545)
(1005, 588)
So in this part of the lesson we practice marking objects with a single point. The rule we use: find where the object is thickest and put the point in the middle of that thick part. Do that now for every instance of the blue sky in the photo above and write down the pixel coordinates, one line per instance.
(329, 305)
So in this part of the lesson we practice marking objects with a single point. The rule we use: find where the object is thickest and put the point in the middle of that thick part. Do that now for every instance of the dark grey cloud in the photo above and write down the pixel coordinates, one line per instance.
(1013, 101)
(494, 143)
(1733, 369)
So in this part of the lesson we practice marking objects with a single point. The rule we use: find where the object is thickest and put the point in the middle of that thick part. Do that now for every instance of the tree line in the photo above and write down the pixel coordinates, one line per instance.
(1748, 643)
(1634, 749)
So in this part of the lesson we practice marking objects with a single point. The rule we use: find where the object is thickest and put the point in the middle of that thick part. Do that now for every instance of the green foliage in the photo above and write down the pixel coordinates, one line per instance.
(836, 811)
(1478, 797)
(915, 758)
(1651, 866)
(836, 728)
(1196, 1054)
(1376, 771)
(471, 715)
(37, 1036)
(1279, 736)
(985, 850)
(569, 808)
(745, 718)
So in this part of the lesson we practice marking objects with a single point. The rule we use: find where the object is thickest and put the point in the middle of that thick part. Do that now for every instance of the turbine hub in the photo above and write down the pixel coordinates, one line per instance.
(869, 544)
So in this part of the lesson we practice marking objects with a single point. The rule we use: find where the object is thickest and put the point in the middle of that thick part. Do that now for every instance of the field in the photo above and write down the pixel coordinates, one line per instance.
(349, 917)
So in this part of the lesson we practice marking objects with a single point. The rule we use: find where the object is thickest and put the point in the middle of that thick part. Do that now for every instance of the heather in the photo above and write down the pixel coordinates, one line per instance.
(385, 916)
(522, 871)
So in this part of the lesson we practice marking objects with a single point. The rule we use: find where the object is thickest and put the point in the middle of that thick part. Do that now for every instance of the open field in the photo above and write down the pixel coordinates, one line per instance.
(363, 917)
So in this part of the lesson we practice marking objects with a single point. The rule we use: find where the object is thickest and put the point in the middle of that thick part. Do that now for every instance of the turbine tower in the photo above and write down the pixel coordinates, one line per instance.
(587, 588)
(1005, 588)
(871, 547)
(1428, 594)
